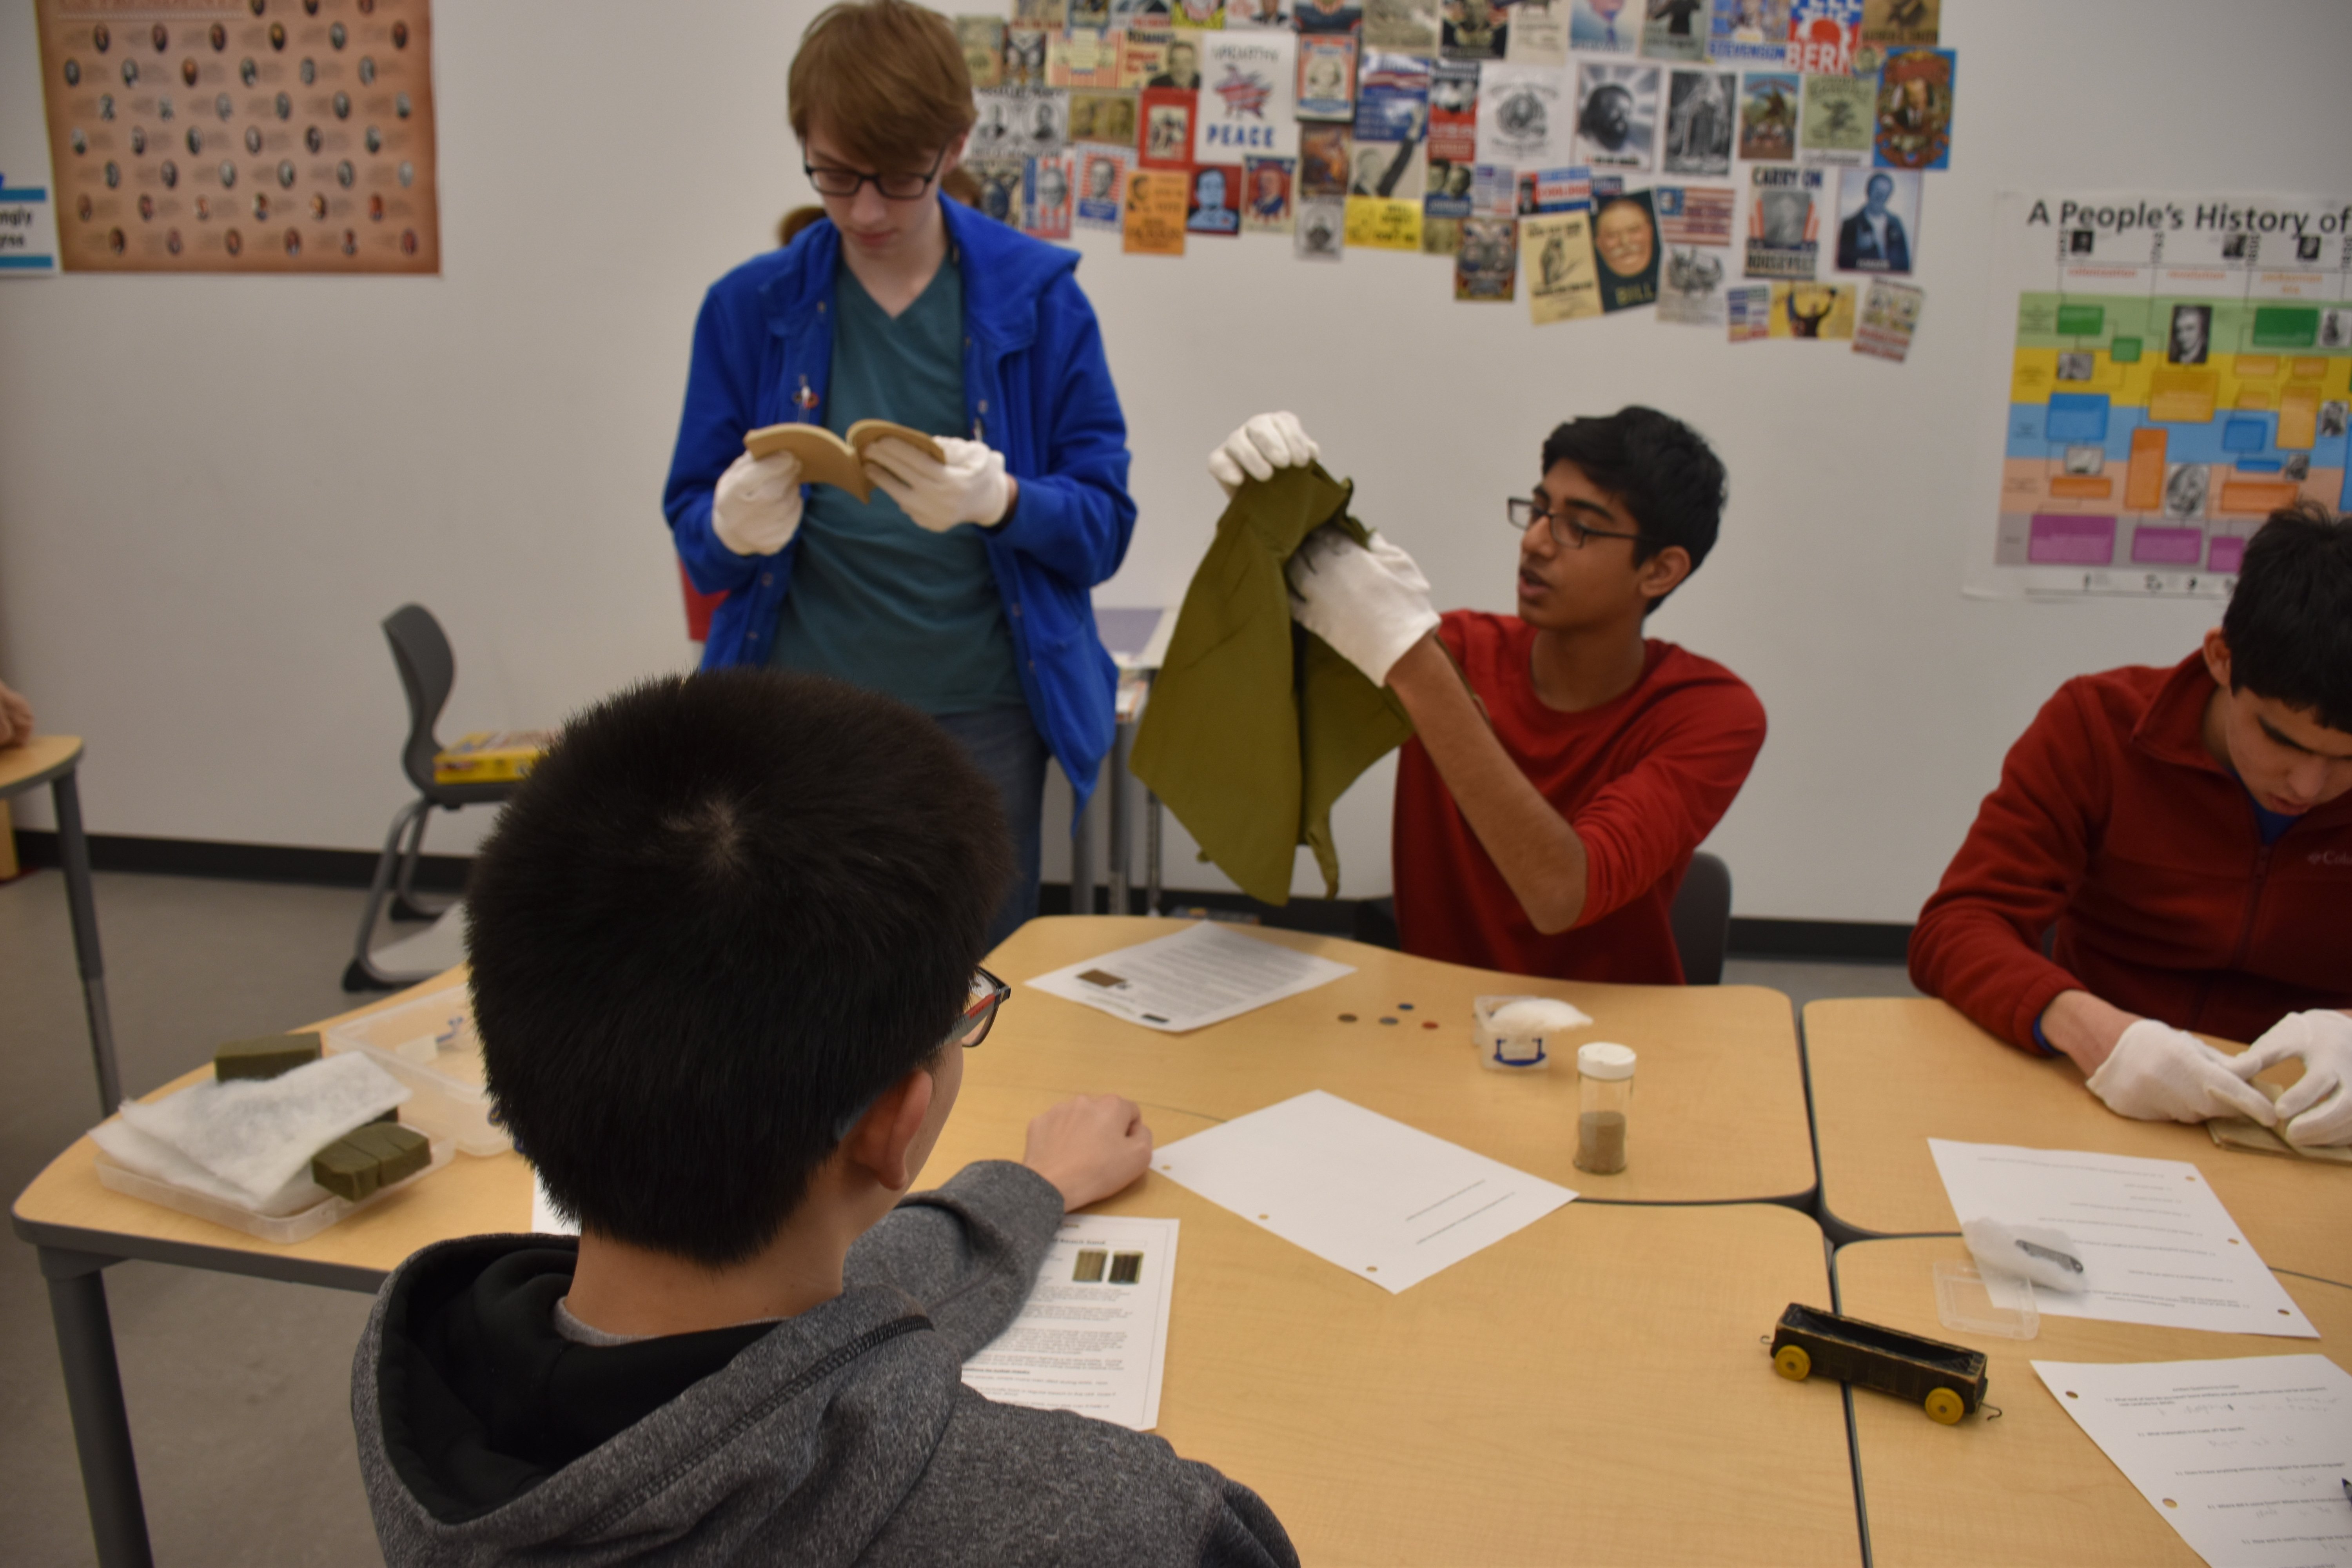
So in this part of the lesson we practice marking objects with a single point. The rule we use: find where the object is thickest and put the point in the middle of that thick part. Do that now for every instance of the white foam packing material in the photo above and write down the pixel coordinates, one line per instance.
(134, 1151)
(257, 1135)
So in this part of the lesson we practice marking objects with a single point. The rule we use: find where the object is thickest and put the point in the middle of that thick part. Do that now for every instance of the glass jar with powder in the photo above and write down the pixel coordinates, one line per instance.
(1604, 1081)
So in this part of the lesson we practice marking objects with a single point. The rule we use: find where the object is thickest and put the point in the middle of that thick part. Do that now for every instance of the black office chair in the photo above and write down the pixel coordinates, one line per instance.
(427, 671)
(1701, 918)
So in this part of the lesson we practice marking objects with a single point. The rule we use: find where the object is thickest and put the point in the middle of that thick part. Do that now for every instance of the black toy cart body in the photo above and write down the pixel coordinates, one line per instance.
(1947, 1381)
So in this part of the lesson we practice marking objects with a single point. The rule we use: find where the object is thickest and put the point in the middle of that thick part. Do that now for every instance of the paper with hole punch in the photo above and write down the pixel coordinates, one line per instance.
(2160, 1247)
(1386, 1202)
(2244, 1458)
(1204, 974)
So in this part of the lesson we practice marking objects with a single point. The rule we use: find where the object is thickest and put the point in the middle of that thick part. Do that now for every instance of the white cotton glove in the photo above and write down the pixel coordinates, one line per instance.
(2158, 1073)
(969, 487)
(1371, 606)
(757, 503)
(1264, 442)
(2318, 1108)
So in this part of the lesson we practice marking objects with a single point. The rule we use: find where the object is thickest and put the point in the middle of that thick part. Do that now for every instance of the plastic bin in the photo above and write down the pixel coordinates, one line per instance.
(284, 1229)
(430, 1045)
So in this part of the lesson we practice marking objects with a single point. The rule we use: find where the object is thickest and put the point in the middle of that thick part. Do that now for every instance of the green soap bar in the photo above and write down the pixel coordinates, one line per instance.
(401, 1151)
(347, 1168)
(265, 1057)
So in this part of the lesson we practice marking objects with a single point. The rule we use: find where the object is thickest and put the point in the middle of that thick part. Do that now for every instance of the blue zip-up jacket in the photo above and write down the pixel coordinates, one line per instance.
(1037, 387)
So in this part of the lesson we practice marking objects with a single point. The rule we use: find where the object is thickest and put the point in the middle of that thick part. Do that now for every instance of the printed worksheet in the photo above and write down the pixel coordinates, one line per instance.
(1204, 974)
(1093, 1336)
(2156, 1245)
(1386, 1202)
(2244, 1458)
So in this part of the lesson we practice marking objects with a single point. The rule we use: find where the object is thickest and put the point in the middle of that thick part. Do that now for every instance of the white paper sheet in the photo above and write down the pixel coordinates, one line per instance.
(1093, 1336)
(2158, 1245)
(544, 1220)
(1202, 974)
(2243, 1457)
(1386, 1202)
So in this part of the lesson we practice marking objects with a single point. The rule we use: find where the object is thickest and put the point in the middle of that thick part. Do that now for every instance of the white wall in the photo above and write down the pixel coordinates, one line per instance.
(211, 489)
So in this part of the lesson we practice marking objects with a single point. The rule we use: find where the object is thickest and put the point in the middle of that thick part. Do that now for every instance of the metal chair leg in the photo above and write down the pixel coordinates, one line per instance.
(405, 904)
(363, 975)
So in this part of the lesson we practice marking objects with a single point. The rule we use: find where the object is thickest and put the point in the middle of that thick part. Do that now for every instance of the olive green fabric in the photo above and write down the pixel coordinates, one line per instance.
(1255, 726)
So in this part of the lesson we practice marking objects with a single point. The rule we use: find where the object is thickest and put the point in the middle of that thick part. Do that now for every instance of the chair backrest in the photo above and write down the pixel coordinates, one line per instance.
(1701, 920)
(427, 671)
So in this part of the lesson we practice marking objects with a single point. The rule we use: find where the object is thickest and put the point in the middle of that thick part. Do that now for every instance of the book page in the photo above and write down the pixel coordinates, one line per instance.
(1204, 974)
(1093, 1335)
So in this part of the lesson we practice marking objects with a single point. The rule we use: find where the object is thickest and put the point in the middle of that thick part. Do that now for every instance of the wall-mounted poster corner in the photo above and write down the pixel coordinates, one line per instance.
(236, 138)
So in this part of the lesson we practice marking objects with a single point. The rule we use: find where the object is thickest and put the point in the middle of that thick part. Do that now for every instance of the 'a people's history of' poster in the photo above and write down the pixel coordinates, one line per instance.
(2178, 370)
(241, 135)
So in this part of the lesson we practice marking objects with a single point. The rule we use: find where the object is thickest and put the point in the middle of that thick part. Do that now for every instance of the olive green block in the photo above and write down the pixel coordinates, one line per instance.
(265, 1057)
(368, 1158)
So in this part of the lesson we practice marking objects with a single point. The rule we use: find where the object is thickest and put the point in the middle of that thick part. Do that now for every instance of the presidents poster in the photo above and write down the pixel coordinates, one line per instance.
(2179, 369)
(258, 136)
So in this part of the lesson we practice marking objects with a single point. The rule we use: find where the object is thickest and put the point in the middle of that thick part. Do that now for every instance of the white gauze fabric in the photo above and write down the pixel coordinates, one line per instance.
(257, 1135)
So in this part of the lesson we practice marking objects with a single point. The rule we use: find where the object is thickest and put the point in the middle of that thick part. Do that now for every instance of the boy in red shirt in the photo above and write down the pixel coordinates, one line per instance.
(2187, 832)
(1563, 768)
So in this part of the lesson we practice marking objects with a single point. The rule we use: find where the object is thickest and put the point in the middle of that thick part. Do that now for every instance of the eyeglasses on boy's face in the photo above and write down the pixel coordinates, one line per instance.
(831, 181)
(986, 996)
(1568, 532)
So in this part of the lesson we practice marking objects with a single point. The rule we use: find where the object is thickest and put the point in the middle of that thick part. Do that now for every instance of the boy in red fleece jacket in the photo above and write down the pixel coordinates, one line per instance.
(2187, 832)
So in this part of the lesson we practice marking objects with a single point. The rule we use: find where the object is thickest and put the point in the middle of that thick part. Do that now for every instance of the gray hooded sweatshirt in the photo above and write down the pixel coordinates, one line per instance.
(844, 1434)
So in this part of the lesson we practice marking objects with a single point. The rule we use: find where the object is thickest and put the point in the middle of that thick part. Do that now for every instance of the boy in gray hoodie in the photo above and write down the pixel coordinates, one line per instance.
(725, 945)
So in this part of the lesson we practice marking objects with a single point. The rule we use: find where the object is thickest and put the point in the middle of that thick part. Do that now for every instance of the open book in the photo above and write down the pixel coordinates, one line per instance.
(827, 459)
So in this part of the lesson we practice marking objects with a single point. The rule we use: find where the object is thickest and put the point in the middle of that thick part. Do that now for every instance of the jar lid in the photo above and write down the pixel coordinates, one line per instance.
(1605, 1061)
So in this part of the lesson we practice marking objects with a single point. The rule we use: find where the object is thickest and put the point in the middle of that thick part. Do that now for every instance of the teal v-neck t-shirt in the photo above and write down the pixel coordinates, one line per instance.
(876, 600)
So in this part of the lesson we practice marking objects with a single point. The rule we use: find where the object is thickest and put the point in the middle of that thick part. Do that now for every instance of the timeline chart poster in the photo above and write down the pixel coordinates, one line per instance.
(241, 135)
(2180, 366)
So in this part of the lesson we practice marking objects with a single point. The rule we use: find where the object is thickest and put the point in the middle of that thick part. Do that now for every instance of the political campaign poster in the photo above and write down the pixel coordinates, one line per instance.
(1101, 184)
(1474, 30)
(174, 144)
(1391, 96)
(1900, 21)
(1084, 58)
(1025, 57)
(1167, 127)
(1327, 158)
(1244, 109)
(1266, 194)
(1889, 318)
(1617, 114)
(1562, 283)
(1783, 222)
(1380, 223)
(1539, 32)
(1915, 109)
(1694, 215)
(1524, 118)
(1834, 124)
(1675, 29)
(1046, 197)
(1487, 268)
(1454, 110)
(1692, 282)
(1749, 32)
(1327, 76)
(1878, 220)
(1768, 117)
(1104, 119)
(1321, 231)
(1625, 244)
(1327, 17)
(1410, 26)
(1606, 27)
(1747, 312)
(1821, 36)
(1813, 312)
(1157, 200)
(1214, 206)
(1701, 119)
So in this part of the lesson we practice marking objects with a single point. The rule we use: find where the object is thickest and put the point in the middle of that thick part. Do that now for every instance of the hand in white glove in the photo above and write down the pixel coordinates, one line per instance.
(1263, 443)
(1371, 606)
(2158, 1073)
(969, 487)
(2318, 1108)
(757, 503)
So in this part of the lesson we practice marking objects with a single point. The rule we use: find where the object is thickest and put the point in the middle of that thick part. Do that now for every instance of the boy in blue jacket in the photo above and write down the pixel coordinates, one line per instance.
(961, 586)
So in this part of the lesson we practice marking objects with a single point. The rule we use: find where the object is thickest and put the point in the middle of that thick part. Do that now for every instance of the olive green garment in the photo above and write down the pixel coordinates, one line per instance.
(1255, 726)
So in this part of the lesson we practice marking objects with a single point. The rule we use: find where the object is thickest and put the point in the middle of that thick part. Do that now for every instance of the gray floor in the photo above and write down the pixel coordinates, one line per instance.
(238, 1389)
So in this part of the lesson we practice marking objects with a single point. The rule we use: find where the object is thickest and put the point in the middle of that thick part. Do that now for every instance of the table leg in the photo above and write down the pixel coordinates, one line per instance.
(1122, 740)
(109, 1475)
(73, 855)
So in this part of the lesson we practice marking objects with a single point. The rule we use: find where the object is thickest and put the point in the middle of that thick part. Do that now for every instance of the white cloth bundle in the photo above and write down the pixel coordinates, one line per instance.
(2048, 1258)
(255, 1136)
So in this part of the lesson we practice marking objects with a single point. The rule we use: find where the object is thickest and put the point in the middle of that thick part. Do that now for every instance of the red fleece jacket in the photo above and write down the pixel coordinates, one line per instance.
(1643, 778)
(2113, 823)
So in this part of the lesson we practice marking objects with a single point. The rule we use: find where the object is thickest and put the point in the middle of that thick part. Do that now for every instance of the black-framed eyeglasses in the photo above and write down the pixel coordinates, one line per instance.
(894, 187)
(1568, 532)
(982, 1000)
(986, 996)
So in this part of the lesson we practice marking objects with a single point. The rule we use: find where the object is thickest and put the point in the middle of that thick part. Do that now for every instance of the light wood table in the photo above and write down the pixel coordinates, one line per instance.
(2030, 1487)
(1501, 1412)
(52, 760)
(1719, 1098)
(1890, 1073)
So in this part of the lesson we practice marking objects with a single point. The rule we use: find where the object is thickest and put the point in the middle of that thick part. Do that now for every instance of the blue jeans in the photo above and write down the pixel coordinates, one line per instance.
(1002, 742)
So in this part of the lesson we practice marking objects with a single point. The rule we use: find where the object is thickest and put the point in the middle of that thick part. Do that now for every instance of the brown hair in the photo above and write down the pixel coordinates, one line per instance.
(886, 78)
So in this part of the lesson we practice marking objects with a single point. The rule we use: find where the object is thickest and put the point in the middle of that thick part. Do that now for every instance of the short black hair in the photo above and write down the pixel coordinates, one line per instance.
(721, 914)
(2289, 623)
(1662, 469)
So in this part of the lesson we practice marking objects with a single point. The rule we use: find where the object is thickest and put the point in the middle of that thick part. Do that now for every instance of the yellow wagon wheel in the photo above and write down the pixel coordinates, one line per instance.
(1944, 1406)
(1793, 1364)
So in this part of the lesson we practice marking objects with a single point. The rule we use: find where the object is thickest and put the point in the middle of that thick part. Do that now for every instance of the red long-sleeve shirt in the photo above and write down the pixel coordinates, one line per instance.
(1643, 778)
(2114, 824)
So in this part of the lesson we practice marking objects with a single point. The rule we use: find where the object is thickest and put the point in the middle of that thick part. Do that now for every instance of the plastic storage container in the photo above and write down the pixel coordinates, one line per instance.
(1605, 1082)
(1521, 1043)
(430, 1045)
(284, 1229)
